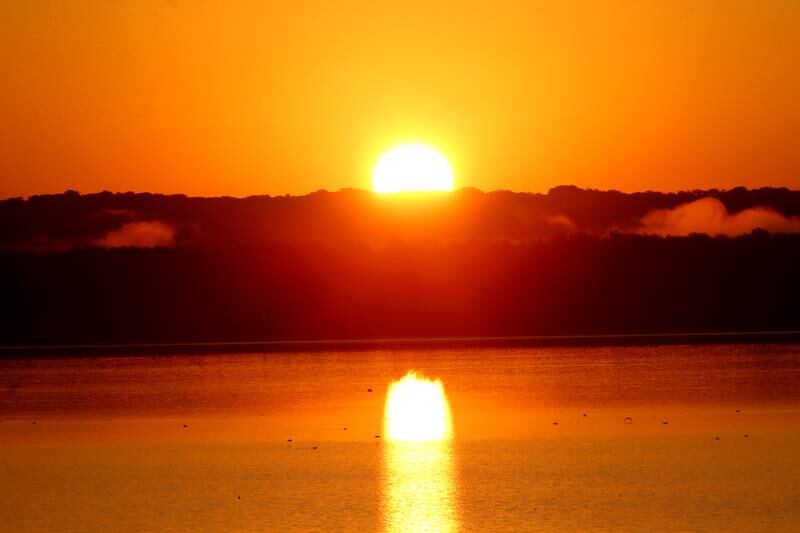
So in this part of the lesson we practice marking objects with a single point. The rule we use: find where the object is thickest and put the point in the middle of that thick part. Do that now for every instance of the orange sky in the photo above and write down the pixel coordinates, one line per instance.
(253, 97)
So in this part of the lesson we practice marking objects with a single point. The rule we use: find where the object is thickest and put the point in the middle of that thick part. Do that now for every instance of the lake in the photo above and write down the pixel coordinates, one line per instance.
(671, 437)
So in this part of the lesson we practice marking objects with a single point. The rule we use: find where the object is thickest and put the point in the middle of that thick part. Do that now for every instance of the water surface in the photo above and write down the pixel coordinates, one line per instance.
(606, 438)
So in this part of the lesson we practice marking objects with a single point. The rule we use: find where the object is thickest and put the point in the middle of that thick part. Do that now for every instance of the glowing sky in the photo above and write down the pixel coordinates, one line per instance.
(252, 97)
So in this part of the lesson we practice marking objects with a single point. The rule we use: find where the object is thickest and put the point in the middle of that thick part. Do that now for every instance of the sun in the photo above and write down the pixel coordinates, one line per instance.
(412, 167)
(417, 410)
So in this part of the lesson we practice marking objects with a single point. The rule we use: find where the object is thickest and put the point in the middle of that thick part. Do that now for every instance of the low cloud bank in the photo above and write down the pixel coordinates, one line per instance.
(709, 215)
(561, 221)
(138, 235)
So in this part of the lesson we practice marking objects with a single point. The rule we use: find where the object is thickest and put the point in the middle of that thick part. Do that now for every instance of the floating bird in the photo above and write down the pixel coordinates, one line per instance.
(369, 390)
(377, 436)
(288, 440)
(345, 429)
(555, 423)
(313, 447)
(186, 425)
(745, 435)
(628, 420)
(716, 438)
(238, 497)
(584, 415)
(665, 422)
(737, 411)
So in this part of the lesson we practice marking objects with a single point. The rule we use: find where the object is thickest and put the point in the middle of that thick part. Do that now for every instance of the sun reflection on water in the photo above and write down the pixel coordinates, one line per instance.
(419, 485)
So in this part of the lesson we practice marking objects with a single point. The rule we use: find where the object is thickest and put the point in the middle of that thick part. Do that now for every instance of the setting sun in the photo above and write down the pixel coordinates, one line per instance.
(412, 167)
(417, 410)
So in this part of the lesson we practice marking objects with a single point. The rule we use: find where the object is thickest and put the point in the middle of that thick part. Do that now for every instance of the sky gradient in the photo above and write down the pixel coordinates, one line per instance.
(258, 97)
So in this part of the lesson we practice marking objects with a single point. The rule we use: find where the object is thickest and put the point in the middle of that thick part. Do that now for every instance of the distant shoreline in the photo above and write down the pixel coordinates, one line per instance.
(761, 337)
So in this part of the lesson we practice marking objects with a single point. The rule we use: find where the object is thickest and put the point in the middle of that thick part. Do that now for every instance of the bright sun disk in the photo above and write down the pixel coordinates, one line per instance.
(412, 167)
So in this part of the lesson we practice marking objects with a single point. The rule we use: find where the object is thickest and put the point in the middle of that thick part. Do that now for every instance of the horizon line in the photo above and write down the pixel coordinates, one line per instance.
(465, 188)
(723, 337)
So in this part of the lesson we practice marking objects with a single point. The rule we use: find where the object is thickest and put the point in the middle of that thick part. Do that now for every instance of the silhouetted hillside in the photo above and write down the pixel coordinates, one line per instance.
(108, 268)
(64, 221)
(570, 285)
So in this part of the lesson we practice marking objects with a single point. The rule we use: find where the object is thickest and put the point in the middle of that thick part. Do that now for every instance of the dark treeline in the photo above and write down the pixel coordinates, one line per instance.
(564, 285)
(58, 222)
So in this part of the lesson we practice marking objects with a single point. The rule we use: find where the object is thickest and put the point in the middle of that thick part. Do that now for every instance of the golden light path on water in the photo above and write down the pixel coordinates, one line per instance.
(419, 485)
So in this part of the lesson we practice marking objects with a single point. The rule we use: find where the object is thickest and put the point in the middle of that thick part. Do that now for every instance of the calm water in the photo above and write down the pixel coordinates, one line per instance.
(541, 441)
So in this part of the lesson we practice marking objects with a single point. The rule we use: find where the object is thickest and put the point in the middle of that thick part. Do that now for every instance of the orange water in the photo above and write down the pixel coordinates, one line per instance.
(201, 442)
